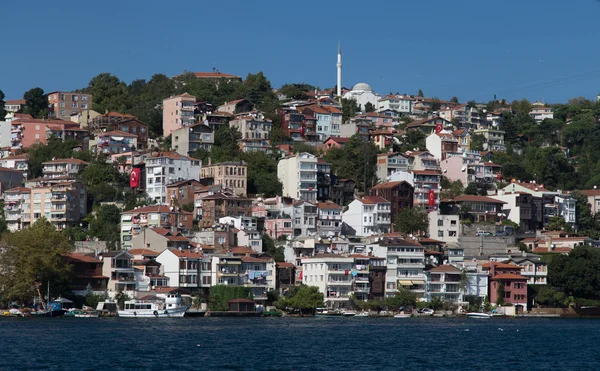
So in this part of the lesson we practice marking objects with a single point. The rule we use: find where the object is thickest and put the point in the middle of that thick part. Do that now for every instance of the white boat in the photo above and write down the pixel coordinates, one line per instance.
(402, 315)
(362, 314)
(348, 313)
(169, 308)
(478, 315)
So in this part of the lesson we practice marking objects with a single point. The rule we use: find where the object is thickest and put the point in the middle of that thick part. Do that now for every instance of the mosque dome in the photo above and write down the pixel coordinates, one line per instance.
(362, 86)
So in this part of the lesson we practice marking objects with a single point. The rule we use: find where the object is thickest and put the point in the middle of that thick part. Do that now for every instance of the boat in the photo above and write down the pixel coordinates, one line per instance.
(323, 312)
(402, 315)
(348, 313)
(86, 312)
(478, 315)
(362, 314)
(426, 312)
(169, 307)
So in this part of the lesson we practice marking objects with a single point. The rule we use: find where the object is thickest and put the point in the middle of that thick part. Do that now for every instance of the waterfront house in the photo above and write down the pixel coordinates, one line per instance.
(444, 282)
(118, 266)
(506, 280)
(86, 274)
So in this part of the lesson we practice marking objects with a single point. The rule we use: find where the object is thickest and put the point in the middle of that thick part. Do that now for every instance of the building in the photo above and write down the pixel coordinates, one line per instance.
(329, 219)
(398, 103)
(187, 269)
(444, 282)
(235, 106)
(188, 139)
(325, 180)
(367, 216)
(86, 274)
(84, 117)
(16, 162)
(533, 268)
(363, 94)
(178, 111)
(298, 175)
(400, 195)
(444, 227)
(405, 265)
(156, 216)
(522, 209)
(26, 131)
(429, 125)
(356, 125)
(540, 113)
(221, 205)
(63, 168)
(116, 142)
(506, 279)
(304, 218)
(63, 105)
(255, 130)
(165, 168)
(441, 145)
(159, 240)
(259, 275)
(215, 76)
(329, 120)
(494, 139)
(593, 197)
(10, 178)
(427, 188)
(331, 274)
(343, 191)
(229, 174)
(118, 266)
(182, 193)
(483, 208)
(389, 163)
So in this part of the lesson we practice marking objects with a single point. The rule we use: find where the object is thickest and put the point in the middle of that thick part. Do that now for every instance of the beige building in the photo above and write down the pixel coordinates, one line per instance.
(66, 167)
(84, 117)
(178, 111)
(64, 105)
(298, 175)
(230, 174)
(255, 130)
(187, 140)
(159, 239)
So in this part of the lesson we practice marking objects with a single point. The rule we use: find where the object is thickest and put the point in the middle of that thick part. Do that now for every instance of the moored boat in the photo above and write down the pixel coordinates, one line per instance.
(170, 307)
(402, 315)
(478, 315)
(362, 314)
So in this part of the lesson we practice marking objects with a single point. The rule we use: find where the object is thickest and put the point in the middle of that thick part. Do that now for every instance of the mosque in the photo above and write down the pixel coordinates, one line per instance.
(362, 93)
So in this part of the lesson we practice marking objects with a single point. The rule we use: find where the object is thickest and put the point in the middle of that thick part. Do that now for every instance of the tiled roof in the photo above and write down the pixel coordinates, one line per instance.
(387, 185)
(445, 269)
(285, 265)
(590, 192)
(359, 256)
(146, 252)
(251, 259)
(509, 276)
(75, 256)
(117, 133)
(339, 140)
(170, 235)
(65, 161)
(556, 250)
(241, 250)
(15, 101)
(473, 198)
(432, 252)
(500, 266)
(18, 190)
(372, 200)
(426, 172)
(149, 209)
(328, 205)
(186, 254)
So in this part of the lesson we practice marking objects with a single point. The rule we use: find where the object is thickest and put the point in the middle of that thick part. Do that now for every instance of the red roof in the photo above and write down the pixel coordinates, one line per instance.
(371, 200)
(285, 265)
(82, 258)
(359, 256)
(186, 254)
(338, 140)
(473, 198)
(328, 205)
(500, 266)
(18, 190)
(170, 235)
(15, 101)
(386, 185)
(430, 241)
(66, 161)
(432, 252)
(590, 192)
(146, 252)
(426, 172)
(250, 259)
(445, 269)
(509, 276)
(117, 133)
(241, 250)
(149, 209)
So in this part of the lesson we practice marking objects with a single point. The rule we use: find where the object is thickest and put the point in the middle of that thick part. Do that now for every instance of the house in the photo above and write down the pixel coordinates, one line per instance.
(463, 136)
(382, 138)
(203, 192)
(540, 113)
(242, 305)
(285, 276)
(329, 119)
(523, 209)
(259, 276)
(215, 76)
(63, 105)
(26, 131)
(377, 275)
(343, 191)
(84, 117)
(230, 174)
(399, 194)
(329, 219)
(430, 125)
(356, 125)
(304, 218)
(494, 139)
(278, 227)
(331, 274)
(483, 208)
(16, 162)
(156, 216)
(445, 228)
(182, 193)
(188, 139)
(10, 178)
(444, 282)
(507, 285)
(187, 269)
(398, 103)
(87, 274)
(367, 216)
(178, 111)
(389, 163)
(427, 188)
(226, 269)
(66, 167)
(533, 268)
(255, 130)
(116, 141)
(336, 142)
(221, 205)
(163, 169)
(483, 172)
(118, 266)
(250, 238)
(132, 126)
(298, 175)
(325, 180)
(593, 197)
(159, 239)
(236, 106)
(441, 145)
(379, 120)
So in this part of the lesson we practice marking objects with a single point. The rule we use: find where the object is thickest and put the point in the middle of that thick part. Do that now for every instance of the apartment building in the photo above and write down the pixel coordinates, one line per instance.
(229, 174)
(389, 163)
(398, 103)
(221, 205)
(259, 275)
(63, 105)
(367, 216)
(540, 113)
(331, 273)
(159, 240)
(156, 216)
(27, 131)
(329, 219)
(118, 266)
(444, 227)
(187, 269)
(178, 111)
(494, 139)
(181, 193)
(255, 130)
(188, 139)
(405, 265)
(444, 282)
(66, 167)
(329, 120)
(298, 175)
(165, 168)
(116, 141)
(400, 194)
(427, 188)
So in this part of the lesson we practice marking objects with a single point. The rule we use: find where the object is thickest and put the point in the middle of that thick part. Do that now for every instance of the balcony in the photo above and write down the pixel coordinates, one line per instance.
(339, 283)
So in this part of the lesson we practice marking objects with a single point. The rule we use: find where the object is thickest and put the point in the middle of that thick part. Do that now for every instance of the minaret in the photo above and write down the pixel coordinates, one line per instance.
(339, 71)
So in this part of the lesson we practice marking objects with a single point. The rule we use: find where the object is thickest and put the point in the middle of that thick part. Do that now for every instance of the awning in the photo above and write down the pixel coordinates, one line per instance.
(418, 282)
(405, 283)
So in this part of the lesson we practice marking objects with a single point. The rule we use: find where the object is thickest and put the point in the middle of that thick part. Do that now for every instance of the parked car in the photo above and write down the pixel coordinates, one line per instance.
(483, 234)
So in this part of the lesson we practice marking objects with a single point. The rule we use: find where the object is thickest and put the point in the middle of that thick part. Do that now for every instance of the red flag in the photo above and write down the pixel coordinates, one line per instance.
(134, 179)
(498, 177)
(431, 196)
(438, 128)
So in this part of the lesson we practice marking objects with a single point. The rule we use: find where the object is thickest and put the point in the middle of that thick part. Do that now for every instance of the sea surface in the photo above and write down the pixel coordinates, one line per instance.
(299, 344)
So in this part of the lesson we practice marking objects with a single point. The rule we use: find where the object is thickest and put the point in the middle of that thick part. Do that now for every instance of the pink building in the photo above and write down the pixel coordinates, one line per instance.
(25, 131)
(278, 227)
(178, 111)
(507, 278)
(379, 120)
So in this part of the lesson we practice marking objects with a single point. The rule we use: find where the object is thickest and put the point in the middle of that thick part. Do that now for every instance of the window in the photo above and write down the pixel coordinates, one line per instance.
(171, 170)
(84, 105)
(440, 233)
(37, 136)
(440, 222)
(37, 127)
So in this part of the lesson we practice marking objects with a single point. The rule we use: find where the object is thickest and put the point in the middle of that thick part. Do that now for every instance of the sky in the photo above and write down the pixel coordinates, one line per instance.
(536, 49)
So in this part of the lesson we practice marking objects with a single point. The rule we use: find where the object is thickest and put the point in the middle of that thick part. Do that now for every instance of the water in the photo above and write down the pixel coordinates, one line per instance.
(299, 344)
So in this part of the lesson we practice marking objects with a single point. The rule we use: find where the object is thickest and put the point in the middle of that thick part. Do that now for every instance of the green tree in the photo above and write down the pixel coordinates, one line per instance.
(189, 207)
(576, 274)
(305, 299)
(454, 100)
(34, 254)
(226, 146)
(2, 103)
(104, 181)
(412, 221)
(220, 295)
(349, 109)
(271, 248)
(305, 147)
(436, 105)
(104, 224)
(558, 223)
(356, 160)
(477, 142)
(278, 135)
(39, 153)
(36, 103)
(296, 91)
(500, 294)
(550, 296)
(262, 174)
(420, 93)
(369, 107)
(109, 93)
(402, 298)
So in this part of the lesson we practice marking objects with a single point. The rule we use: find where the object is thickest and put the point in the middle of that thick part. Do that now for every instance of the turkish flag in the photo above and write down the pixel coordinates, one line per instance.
(438, 128)
(431, 196)
(498, 177)
(134, 178)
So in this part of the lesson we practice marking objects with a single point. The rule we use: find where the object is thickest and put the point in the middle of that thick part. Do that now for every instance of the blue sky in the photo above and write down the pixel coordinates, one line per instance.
(540, 50)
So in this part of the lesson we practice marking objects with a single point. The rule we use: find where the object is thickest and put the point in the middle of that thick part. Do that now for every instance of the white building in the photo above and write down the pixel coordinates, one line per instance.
(444, 227)
(187, 269)
(398, 103)
(540, 113)
(331, 274)
(329, 219)
(298, 175)
(444, 282)
(259, 276)
(477, 280)
(166, 169)
(304, 218)
(367, 216)
(362, 93)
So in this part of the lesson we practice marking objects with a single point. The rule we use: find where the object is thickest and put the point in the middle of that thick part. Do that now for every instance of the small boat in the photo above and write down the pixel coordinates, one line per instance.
(402, 315)
(478, 315)
(169, 308)
(362, 314)
(86, 312)
(322, 312)
(348, 313)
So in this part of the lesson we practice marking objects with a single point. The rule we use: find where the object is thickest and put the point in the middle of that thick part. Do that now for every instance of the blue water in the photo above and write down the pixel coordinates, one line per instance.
(299, 344)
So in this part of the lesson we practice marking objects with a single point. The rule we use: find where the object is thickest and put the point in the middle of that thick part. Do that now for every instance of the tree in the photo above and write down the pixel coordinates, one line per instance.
(369, 107)
(220, 295)
(262, 174)
(305, 299)
(412, 221)
(305, 147)
(2, 103)
(436, 105)
(454, 100)
(34, 254)
(104, 181)
(189, 207)
(500, 293)
(471, 189)
(226, 146)
(576, 274)
(271, 249)
(477, 142)
(558, 223)
(104, 224)
(402, 298)
(278, 135)
(39, 153)
(349, 109)
(296, 91)
(36, 103)
(109, 93)
(420, 93)
(356, 160)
